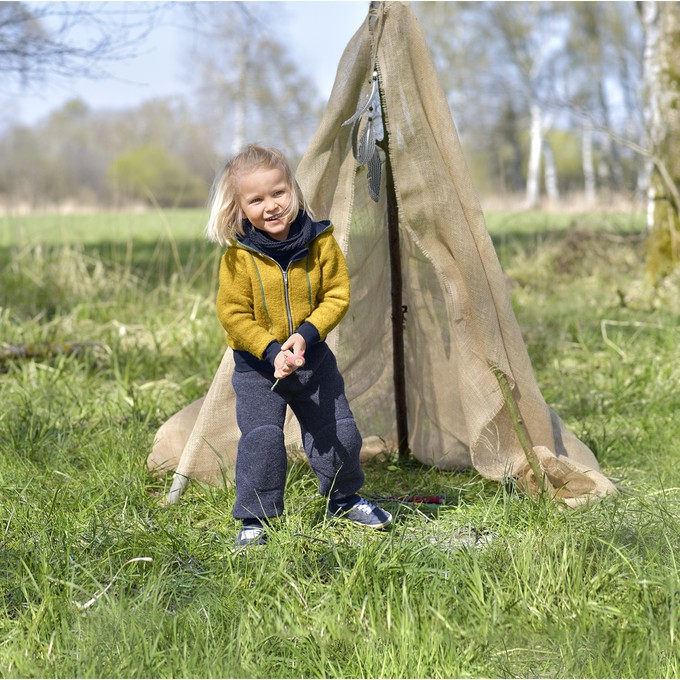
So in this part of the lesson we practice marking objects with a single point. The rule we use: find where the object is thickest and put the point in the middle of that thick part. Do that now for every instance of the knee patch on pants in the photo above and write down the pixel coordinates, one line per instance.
(260, 473)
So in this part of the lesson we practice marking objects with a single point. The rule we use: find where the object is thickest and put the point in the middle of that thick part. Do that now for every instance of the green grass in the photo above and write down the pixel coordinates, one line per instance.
(99, 578)
(95, 228)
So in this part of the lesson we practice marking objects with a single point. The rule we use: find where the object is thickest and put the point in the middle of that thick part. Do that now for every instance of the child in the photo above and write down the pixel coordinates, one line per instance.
(283, 287)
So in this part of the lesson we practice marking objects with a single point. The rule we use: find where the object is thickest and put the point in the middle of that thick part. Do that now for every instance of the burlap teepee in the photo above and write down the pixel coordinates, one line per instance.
(459, 326)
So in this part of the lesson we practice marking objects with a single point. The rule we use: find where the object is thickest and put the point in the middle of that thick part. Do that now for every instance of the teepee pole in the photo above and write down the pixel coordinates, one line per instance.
(398, 314)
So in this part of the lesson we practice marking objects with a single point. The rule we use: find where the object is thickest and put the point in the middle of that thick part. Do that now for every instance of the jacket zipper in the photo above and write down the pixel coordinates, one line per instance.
(289, 314)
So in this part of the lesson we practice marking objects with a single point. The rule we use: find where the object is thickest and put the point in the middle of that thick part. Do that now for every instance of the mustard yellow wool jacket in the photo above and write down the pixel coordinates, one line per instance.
(259, 303)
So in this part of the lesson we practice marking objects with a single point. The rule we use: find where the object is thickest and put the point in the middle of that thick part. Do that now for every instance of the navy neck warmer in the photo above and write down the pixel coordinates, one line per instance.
(301, 233)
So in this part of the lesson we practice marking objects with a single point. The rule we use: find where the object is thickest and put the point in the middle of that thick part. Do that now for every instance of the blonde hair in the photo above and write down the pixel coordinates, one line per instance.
(226, 216)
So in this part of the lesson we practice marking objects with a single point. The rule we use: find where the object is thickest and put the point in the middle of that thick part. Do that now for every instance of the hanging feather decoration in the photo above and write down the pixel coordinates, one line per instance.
(365, 149)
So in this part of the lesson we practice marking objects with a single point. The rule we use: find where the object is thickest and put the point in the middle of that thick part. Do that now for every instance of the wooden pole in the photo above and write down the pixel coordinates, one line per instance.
(396, 293)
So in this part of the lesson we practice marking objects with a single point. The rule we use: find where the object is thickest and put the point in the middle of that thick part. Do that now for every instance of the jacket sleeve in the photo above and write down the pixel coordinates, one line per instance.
(334, 294)
(235, 307)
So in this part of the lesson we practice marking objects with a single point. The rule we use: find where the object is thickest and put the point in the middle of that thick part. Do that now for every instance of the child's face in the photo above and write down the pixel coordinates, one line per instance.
(264, 196)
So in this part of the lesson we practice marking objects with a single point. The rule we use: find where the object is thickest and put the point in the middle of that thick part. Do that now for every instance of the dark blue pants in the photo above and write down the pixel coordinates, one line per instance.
(331, 439)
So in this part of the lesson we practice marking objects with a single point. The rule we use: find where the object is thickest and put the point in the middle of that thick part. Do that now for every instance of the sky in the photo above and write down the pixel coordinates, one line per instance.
(324, 28)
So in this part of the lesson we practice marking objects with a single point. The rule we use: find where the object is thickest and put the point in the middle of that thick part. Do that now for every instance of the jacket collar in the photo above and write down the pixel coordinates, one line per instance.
(318, 228)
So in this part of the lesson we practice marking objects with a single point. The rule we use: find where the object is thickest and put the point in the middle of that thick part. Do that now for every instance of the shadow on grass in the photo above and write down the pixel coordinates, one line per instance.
(42, 279)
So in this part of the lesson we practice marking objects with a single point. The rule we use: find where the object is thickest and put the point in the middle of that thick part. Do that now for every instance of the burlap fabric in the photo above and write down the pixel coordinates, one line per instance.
(459, 320)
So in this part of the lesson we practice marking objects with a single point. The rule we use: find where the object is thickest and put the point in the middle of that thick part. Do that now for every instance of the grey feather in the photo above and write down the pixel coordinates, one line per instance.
(374, 175)
(378, 129)
(366, 144)
(355, 138)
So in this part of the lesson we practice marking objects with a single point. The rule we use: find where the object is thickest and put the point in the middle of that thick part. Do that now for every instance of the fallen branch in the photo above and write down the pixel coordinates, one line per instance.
(43, 350)
(101, 593)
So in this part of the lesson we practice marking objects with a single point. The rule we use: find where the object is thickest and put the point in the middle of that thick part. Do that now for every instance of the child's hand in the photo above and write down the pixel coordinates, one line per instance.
(291, 350)
(286, 363)
(296, 343)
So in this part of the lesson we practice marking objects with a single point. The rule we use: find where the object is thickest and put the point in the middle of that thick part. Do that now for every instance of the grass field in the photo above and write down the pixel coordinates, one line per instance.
(99, 578)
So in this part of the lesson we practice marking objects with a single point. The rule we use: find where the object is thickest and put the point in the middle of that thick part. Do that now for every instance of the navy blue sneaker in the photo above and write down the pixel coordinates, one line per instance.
(251, 536)
(364, 513)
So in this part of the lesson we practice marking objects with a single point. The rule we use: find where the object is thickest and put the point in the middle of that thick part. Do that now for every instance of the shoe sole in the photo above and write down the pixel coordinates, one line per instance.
(246, 544)
(260, 539)
(360, 524)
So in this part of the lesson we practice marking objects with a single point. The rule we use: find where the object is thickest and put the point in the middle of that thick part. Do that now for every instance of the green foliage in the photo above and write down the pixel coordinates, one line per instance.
(99, 578)
(155, 176)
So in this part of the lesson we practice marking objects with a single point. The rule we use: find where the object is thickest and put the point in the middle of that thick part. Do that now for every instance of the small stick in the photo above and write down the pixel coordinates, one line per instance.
(522, 432)
(293, 360)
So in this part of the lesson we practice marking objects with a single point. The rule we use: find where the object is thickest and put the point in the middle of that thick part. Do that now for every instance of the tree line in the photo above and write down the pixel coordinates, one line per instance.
(153, 154)
(545, 92)
(551, 99)
(243, 85)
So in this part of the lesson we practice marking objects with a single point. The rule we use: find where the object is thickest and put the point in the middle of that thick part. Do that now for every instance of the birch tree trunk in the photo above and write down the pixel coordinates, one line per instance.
(534, 169)
(239, 138)
(587, 160)
(661, 23)
(550, 174)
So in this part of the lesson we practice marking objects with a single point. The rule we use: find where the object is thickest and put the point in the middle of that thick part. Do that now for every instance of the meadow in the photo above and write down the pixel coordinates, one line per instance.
(100, 578)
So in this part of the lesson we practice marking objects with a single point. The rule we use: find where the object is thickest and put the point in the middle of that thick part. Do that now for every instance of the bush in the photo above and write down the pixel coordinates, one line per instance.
(155, 176)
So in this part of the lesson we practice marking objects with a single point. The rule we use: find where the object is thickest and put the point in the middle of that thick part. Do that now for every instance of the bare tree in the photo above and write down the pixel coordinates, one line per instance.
(67, 39)
(549, 66)
(247, 84)
(503, 56)
(604, 49)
